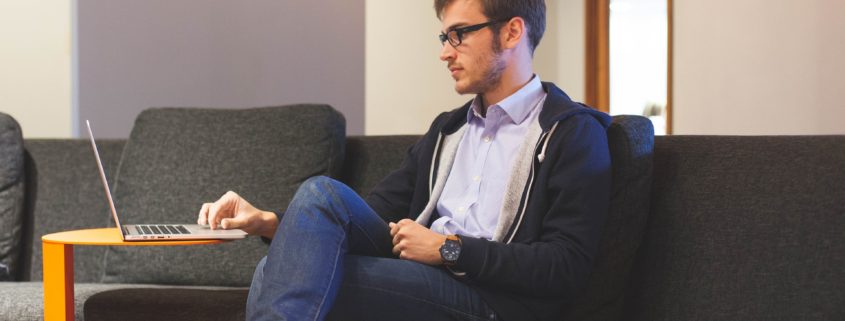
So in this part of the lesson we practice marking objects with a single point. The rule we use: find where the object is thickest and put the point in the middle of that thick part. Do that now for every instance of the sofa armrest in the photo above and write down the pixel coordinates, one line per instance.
(11, 196)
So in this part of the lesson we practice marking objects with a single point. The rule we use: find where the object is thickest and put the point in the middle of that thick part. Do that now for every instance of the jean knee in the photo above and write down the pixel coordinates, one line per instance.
(318, 185)
(320, 181)
(320, 192)
(323, 187)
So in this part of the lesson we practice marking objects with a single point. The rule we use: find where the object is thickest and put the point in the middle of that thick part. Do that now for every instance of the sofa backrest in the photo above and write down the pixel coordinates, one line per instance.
(11, 197)
(64, 193)
(631, 143)
(369, 159)
(744, 228)
(178, 158)
(56, 166)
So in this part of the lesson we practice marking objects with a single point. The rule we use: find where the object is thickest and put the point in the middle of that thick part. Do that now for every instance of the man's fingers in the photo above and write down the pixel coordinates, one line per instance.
(393, 228)
(216, 212)
(202, 218)
(397, 249)
(396, 232)
(232, 223)
(401, 251)
(223, 208)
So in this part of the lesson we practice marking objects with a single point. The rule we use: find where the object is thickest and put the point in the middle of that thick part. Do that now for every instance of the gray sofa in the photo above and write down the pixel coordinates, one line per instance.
(701, 227)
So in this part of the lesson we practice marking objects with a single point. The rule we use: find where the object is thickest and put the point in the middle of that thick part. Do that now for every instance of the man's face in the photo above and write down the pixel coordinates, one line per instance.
(476, 64)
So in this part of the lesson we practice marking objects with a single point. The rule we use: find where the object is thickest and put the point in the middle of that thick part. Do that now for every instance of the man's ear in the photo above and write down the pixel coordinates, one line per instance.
(512, 33)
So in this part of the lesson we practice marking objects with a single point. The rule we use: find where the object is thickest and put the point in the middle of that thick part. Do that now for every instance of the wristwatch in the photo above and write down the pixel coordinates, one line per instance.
(450, 250)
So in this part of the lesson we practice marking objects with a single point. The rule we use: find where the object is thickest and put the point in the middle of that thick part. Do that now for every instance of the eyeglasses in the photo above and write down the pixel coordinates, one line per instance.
(456, 36)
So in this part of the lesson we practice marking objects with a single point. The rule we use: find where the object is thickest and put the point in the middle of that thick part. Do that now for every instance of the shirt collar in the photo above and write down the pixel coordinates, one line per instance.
(518, 105)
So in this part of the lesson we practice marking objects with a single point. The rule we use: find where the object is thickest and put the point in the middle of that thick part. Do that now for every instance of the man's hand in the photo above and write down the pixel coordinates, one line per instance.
(231, 211)
(412, 241)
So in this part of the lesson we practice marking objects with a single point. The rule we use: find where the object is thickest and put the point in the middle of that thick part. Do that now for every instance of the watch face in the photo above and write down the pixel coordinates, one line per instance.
(450, 251)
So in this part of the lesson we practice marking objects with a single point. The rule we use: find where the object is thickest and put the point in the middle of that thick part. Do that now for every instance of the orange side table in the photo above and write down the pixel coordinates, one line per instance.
(58, 264)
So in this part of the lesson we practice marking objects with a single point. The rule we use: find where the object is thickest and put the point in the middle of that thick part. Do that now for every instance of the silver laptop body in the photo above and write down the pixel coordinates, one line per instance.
(153, 232)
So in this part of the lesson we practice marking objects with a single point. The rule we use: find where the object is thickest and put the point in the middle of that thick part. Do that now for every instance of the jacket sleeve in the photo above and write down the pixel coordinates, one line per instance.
(576, 199)
(392, 197)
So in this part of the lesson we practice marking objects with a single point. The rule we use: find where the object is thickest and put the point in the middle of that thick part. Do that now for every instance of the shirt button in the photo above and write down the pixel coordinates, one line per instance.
(461, 209)
(476, 178)
(486, 139)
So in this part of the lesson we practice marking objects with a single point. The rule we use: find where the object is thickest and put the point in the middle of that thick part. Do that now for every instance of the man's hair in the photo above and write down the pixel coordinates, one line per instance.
(532, 11)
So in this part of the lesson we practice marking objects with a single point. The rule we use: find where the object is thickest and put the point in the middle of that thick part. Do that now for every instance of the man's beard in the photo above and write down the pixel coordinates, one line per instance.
(492, 76)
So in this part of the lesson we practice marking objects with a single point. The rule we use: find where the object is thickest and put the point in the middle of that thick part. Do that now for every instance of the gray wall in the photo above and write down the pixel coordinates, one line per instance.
(216, 53)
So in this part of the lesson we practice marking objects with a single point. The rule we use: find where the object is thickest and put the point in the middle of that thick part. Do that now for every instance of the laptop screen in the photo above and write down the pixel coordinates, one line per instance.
(105, 182)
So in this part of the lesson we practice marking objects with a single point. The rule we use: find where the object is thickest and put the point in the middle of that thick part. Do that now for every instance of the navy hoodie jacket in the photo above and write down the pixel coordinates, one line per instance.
(548, 254)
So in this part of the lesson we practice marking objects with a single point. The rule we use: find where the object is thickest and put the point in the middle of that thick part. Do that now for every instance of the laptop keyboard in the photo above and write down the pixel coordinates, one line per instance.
(161, 229)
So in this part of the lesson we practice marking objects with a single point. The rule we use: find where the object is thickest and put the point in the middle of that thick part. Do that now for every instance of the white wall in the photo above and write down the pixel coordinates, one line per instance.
(35, 65)
(759, 67)
(218, 53)
(406, 83)
(564, 42)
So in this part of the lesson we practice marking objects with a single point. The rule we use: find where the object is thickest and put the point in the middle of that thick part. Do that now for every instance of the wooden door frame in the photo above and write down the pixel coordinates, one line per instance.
(597, 58)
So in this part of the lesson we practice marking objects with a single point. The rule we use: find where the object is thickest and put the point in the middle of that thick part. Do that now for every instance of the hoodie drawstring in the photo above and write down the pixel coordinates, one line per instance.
(542, 155)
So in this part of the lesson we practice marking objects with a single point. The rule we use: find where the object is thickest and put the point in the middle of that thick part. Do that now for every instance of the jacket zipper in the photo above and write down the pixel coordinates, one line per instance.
(544, 140)
(434, 159)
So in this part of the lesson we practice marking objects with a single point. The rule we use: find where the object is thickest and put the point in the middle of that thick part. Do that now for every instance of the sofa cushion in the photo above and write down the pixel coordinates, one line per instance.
(66, 192)
(744, 228)
(178, 158)
(24, 301)
(11, 196)
(631, 142)
(167, 303)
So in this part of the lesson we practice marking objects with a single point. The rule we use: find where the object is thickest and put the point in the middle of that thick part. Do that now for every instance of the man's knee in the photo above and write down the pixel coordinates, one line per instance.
(318, 180)
(323, 186)
(322, 192)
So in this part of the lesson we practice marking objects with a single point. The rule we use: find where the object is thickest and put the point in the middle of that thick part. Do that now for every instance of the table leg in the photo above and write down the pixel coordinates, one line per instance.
(58, 281)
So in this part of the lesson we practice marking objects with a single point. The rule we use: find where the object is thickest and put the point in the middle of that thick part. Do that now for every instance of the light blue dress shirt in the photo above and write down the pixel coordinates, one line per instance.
(474, 191)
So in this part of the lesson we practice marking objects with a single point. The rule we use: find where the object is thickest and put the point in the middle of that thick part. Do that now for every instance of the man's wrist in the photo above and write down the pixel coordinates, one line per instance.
(269, 223)
(450, 251)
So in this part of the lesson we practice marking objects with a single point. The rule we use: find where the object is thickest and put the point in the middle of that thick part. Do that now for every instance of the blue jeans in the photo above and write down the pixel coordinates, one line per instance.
(331, 259)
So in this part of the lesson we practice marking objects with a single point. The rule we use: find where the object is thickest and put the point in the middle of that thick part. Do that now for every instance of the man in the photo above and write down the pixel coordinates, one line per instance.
(495, 213)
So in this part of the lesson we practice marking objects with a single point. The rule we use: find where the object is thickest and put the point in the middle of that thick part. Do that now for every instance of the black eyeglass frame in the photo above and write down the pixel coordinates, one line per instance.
(460, 32)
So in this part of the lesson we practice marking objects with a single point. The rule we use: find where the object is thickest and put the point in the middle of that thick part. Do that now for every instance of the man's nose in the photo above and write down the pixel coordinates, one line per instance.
(447, 52)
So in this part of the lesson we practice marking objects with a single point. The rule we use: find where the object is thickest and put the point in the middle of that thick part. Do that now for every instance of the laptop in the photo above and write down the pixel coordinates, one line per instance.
(155, 232)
